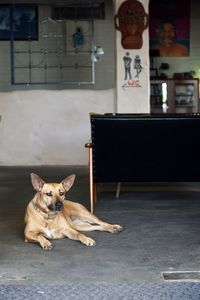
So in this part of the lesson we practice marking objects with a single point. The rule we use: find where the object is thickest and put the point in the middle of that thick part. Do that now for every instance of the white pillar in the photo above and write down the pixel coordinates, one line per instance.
(132, 88)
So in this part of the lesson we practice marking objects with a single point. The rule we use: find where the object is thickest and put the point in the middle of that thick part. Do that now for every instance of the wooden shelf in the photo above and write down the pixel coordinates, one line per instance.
(185, 90)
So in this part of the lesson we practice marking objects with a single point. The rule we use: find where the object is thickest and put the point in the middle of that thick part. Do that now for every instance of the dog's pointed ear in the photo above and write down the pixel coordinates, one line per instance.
(68, 182)
(37, 182)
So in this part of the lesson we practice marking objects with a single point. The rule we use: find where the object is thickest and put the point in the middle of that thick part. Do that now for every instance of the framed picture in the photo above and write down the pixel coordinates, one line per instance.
(169, 27)
(153, 72)
(18, 22)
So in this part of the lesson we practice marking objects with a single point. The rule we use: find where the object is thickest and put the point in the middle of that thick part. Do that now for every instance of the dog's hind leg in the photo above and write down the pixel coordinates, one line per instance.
(86, 224)
(75, 235)
(83, 220)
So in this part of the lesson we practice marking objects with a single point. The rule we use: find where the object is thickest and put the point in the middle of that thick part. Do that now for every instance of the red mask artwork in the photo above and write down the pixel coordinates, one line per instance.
(131, 20)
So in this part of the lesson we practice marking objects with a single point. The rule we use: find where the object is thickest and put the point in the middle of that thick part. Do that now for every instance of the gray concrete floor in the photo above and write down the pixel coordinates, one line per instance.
(161, 232)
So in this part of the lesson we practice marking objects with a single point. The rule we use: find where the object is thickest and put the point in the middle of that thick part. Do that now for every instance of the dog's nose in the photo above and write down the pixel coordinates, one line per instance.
(58, 206)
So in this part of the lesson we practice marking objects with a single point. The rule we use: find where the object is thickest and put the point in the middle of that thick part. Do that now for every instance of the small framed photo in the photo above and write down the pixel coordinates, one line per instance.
(153, 72)
(18, 22)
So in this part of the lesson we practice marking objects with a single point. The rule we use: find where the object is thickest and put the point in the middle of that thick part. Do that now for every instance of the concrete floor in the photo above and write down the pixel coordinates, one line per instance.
(161, 233)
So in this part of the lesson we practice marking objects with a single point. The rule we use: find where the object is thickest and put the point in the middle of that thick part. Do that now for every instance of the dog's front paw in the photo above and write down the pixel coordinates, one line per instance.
(116, 228)
(46, 245)
(87, 241)
(90, 242)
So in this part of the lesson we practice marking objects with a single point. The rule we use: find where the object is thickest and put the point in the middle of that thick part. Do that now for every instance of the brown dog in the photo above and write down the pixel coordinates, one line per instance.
(49, 215)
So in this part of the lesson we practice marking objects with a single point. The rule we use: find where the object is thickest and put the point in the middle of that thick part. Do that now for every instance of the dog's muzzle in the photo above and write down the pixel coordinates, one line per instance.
(57, 207)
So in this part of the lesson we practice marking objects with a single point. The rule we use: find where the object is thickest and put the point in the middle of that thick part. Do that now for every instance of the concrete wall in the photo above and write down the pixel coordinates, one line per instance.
(47, 125)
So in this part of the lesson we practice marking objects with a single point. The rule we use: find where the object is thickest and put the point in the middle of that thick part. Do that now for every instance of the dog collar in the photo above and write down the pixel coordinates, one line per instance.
(41, 212)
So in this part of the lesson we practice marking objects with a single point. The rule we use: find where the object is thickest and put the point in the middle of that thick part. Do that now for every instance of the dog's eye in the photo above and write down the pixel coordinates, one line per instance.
(49, 194)
(61, 193)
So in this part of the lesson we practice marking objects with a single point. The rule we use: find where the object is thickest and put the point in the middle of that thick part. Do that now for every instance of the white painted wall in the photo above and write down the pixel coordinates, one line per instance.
(48, 127)
(133, 95)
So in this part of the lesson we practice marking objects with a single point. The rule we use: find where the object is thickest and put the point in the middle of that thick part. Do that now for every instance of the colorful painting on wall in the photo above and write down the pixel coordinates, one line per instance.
(169, 27)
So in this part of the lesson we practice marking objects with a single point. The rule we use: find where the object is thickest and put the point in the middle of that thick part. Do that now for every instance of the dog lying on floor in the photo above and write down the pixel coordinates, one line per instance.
(50, 216)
